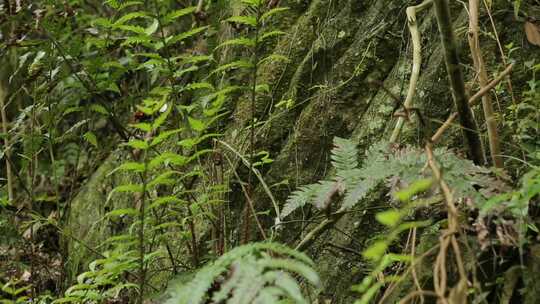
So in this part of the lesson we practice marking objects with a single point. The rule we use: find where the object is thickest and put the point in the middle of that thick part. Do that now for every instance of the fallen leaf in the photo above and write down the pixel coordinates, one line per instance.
(533, 33)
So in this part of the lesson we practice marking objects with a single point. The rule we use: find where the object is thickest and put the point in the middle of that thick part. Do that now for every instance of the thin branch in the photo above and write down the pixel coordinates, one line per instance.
(479, 65)
(472, 101)
(455, 76)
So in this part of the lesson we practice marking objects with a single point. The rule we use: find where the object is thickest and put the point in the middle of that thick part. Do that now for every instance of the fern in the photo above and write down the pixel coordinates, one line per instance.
(354, 182)
(249, 274)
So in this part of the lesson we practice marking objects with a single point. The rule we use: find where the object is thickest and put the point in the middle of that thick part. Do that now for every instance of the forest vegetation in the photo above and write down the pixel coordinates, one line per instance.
(270, 151)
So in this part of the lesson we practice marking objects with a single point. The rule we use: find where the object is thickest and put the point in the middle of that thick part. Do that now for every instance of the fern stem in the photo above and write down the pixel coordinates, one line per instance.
(142, 209)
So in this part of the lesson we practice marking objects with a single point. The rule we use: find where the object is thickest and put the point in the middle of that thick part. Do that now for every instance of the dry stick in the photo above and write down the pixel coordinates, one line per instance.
(199, 8)
(455, 76)
(449, 237)
(418, 293)
(480, 67)
(417, 61)
(5, 123)
(472, 101)
(414, 274)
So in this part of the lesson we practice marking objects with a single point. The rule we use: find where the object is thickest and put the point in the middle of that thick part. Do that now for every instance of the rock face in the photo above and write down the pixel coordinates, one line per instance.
(345, 55)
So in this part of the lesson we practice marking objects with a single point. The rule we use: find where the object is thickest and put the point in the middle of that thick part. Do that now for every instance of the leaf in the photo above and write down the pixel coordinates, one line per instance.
(129, 166)
(416, 187)
(99, 109)
(170, 17)
(271, 34)
(196, 124)
(150, 30)
(126, 188)
(389, 218)
(137, 144)
(168, 158)
(185, 35)
(132, 28)
(273, 58)
(122, 212)
(376, 251)
(143, 126)
(129, 17)
(165, 201)
(239, 64)
(532, 31)
(91, 138)
(163, 136)
(344, 155)
(162, 117)
(247, 42)
(246, 20)
(272, 12)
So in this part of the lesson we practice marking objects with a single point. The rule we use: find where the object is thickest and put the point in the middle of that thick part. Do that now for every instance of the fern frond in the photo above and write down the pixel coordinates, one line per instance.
(239, 64)
(271, 34)
(243, 41)
(246, 20)
(254, 276)
(299, 198)
(130, 16)
(344, 155)
(185, 35)
(273, 12)
(170, 17)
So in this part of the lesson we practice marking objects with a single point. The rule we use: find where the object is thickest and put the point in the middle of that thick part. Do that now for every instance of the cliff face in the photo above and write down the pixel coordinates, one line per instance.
(345, 58)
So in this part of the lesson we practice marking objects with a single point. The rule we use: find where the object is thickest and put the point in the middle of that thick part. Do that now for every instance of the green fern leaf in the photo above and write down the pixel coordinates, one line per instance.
(183, 36)
(246, 42)
(273, 12)
(239, 64)
(246, 20)
(344, 155)
(128, 17)
(271, 34)
(170, 17)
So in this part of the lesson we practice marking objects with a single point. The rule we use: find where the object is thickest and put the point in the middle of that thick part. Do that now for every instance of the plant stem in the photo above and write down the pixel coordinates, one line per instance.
(455, 75)
(478, 59)
(142, 268)
(5, 123)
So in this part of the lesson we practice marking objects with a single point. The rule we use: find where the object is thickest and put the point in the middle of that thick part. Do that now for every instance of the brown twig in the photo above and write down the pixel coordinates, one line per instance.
(479, 65)
(472, 101)
(448, 238)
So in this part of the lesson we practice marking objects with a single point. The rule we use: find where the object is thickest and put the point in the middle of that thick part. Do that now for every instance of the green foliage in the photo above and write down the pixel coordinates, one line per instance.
(527, 114)
(377, 252)
(14, 293)
(253, 273)
(383, 165)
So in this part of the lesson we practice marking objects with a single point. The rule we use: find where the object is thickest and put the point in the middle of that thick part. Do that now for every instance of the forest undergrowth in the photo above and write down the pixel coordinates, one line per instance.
(162, 108)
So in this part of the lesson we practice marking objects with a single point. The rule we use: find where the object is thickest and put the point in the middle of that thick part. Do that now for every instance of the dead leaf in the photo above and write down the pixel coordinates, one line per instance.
(25, 277)
(532, 31)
